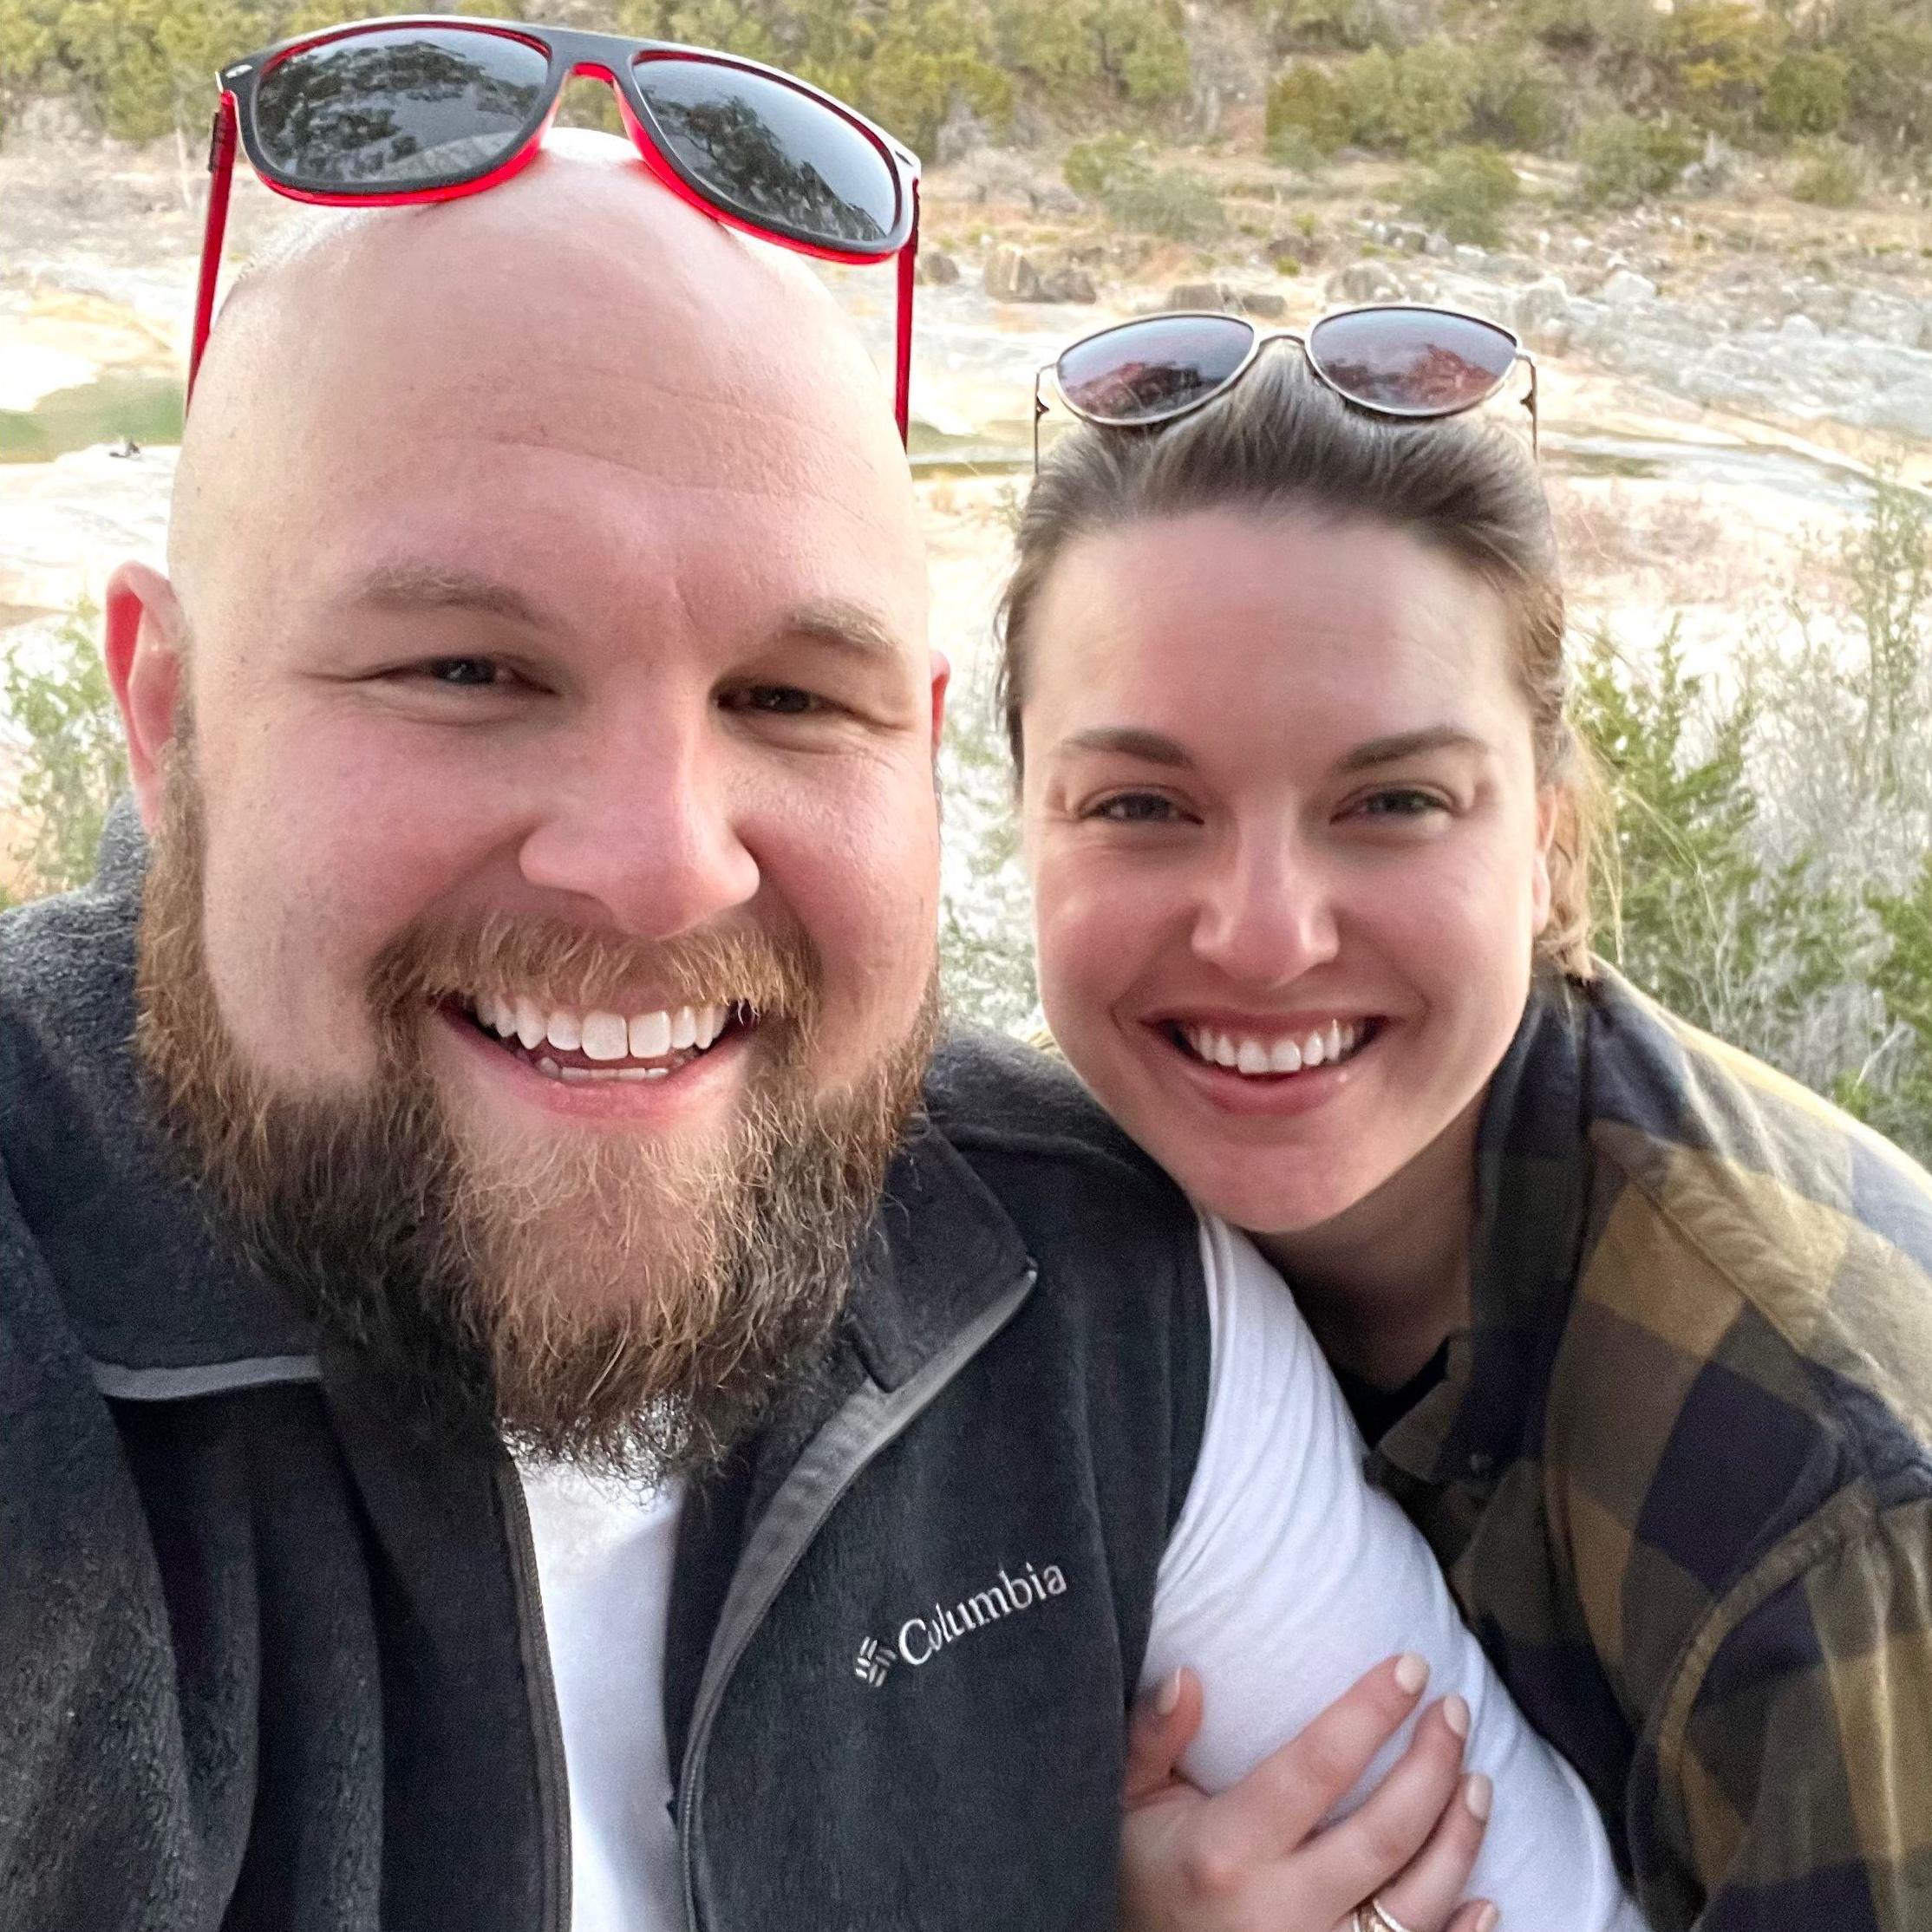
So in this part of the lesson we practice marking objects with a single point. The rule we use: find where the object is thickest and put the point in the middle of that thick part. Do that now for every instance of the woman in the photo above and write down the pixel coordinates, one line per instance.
(1638, 1331)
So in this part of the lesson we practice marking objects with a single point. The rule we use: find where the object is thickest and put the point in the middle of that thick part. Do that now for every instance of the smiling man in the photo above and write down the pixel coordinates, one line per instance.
(525, 1402)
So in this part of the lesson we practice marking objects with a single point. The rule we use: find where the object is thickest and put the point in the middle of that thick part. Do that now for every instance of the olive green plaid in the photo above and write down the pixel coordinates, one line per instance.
(1680, 1470)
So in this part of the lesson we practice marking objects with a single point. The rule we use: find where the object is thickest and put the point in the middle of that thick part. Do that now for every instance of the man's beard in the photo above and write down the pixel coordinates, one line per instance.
(626, 1306)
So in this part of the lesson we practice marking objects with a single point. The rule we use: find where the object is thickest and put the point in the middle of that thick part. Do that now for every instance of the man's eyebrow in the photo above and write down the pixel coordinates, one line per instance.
(847, 626)
(1127, 741)
(405, 587)
(1409, 744)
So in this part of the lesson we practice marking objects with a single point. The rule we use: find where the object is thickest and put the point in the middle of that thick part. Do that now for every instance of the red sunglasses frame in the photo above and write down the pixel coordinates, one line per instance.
(569, 53)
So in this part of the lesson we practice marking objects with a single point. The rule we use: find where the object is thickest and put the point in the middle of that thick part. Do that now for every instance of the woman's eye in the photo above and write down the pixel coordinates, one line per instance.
(1400, 804)
(1134, 808)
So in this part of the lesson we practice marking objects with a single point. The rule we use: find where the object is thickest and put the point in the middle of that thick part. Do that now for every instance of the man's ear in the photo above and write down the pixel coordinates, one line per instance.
(144, 646)
(942, 676)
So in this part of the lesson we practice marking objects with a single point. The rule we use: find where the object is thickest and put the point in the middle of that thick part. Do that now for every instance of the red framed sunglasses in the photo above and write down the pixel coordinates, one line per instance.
(1402, 359)
(381, 112)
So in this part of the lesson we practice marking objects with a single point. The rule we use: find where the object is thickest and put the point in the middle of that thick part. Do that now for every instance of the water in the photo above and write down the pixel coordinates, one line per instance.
(118, 403)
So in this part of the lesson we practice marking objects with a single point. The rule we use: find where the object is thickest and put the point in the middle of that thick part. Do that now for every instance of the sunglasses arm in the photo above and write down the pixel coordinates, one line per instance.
(221, 176)
(909, 258)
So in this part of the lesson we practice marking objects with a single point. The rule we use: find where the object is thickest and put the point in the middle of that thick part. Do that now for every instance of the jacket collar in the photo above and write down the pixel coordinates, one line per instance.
(1531, 1168)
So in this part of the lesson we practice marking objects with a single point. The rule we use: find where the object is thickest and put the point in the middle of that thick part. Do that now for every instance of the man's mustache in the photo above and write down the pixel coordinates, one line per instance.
(776, 978)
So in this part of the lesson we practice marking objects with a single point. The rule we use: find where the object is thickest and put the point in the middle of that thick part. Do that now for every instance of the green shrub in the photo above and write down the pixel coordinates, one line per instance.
(1351, 26)
(1517, 100)
(1625, 160)
(1091, 165)
(1831, 176)
(1305, 109)
(1416, 100)
(1179, 204)
(1716, 57)
(1618, 31)
(1466, 194)
(1888, 84)
(74, 764)
(1804, 95)
(1135, 49)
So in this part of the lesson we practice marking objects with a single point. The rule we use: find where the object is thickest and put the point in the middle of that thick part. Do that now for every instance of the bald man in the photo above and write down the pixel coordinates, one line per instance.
(511, 1308)
(525, 1401)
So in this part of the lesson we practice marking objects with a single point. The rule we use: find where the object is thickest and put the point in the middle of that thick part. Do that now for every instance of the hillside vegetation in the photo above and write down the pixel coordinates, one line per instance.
(1633, 93)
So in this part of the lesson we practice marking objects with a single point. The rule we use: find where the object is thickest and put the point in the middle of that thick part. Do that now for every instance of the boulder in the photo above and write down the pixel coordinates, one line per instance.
(1012, 275)
(937, 269)
(1541, 314)
(1197, 295)
(1366, 282)
(1624, 288)
(1887, 318)
(1800, 329)
(1069, 283)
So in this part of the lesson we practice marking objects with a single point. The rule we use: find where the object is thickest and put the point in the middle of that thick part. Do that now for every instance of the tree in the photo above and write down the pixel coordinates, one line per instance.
(74, 765)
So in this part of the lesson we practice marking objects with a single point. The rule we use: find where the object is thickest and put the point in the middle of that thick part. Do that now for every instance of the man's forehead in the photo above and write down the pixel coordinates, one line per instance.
(579, 318)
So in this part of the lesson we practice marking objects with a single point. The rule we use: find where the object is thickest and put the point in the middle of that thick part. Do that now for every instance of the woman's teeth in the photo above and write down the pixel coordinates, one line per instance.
(599, 1037)
(1278, 1054)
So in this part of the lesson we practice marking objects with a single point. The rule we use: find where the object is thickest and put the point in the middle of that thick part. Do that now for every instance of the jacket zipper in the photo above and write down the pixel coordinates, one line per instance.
(869, 1422)
(553, 1789)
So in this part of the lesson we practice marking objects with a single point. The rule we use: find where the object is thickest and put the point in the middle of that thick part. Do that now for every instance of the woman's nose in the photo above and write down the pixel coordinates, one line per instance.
(1266, 914)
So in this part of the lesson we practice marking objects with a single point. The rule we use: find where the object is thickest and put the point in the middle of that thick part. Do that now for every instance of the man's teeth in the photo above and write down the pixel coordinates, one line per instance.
(1281, 1054)
(600, 1035)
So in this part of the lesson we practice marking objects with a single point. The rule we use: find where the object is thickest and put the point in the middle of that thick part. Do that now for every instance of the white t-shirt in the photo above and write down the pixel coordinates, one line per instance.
(1287, 1577)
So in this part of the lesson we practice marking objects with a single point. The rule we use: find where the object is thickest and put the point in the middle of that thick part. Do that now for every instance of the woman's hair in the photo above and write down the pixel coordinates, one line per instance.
(1280, 440)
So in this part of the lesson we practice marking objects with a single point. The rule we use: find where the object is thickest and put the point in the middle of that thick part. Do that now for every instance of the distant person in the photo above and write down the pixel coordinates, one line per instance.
(529, 1395)
(1640, 1332)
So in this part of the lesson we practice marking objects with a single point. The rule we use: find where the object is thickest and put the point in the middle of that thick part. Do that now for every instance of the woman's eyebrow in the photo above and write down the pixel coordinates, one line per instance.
(1127, 741)
(1409, 744)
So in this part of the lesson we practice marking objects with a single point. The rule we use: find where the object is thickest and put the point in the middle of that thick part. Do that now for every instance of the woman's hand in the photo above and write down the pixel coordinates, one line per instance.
(1254, 1859)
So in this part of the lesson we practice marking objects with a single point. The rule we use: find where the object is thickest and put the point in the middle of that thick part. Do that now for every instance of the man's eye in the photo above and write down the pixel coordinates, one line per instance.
(778, 700)
(1134, 808)
(483, 671)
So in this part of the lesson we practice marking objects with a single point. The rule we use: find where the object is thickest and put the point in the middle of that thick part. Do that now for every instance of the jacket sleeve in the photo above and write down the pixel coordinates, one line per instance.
(1789, 1779)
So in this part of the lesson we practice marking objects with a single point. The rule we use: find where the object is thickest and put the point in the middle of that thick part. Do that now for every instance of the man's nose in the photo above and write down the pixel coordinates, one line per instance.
(640, 824)
(1266, 913)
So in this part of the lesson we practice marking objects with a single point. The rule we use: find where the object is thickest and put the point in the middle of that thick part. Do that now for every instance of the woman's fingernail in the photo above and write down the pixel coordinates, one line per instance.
(1412, 1672)
(1455, 1714)
(1476, 1793)
(1485, 1919)
(1169, 1697)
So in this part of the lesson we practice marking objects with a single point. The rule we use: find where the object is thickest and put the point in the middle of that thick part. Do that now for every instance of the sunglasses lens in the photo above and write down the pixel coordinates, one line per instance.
(1411, 361)
(771, 154)
(397, 108)
(1143, 371)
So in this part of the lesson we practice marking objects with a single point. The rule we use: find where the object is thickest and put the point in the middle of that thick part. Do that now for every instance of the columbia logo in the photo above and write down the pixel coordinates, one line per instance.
(873, 1660)
(921, 1638)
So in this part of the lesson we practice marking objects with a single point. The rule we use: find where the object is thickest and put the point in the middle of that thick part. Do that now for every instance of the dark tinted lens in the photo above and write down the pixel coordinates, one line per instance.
(397, 108)
(1145, 370)
(1411, 361)
(770, 154)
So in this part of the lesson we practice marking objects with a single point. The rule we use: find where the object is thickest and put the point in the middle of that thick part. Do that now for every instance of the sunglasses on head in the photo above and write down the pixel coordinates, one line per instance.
(381, 112)
(1397, 359)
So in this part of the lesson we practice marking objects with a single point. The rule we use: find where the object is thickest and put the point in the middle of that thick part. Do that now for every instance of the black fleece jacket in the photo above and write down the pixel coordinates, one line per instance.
(267, 1662)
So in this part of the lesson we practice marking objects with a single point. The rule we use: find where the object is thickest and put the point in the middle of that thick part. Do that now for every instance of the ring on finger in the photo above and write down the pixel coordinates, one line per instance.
(1372, 1916)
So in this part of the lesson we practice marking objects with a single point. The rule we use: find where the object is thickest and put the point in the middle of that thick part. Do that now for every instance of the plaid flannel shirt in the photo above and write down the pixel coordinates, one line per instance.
(1680, 1469)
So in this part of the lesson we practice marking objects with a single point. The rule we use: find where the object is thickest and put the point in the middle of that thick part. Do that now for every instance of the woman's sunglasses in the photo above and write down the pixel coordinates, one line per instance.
(1393, 359)
(387, 112)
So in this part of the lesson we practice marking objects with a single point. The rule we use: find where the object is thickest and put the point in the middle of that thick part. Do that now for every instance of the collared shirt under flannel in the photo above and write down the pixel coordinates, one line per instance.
(1680, 1470)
